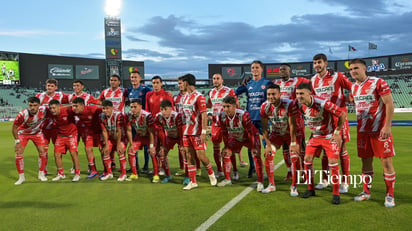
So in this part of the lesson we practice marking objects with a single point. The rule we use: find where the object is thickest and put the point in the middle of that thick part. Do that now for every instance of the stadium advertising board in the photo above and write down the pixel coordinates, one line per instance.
(301, 69)
(402, 62)
(10, 71)
(60, 71)
(87, 72)
(113, 38)
(377, 64)
(231, 72)
(272, 70)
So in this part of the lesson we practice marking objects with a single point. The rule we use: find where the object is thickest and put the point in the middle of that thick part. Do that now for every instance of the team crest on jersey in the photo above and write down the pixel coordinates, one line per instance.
(89, 117)
(367, 90)
(263, 87)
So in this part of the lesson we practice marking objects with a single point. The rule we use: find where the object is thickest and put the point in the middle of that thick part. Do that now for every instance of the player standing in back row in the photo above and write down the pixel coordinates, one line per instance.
(330, 86)
(256, 95)
(215, 101)
(288, 86)
(374, 112)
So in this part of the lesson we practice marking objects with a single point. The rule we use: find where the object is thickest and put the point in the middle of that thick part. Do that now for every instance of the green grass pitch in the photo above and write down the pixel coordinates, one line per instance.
(142, 205)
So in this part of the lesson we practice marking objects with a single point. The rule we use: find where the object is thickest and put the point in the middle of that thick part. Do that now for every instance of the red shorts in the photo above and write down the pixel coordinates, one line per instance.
(280, 140)
(170, 143)
(112, 144)
(65, 143)
(235, 146)
(315, 146)
(216, 134)
(38, 139)
(50, 134)
(345, 132)
(139, 142)
(194, 142)
(369, 145)
(90, 139)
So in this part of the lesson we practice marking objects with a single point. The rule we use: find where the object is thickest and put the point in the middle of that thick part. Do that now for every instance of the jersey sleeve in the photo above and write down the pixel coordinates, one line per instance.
(147, 103)
(201, 104)
(223, 129)
(150, 121)
(18, 121)
(251, 130)
(263, 111)
(344, 81)
(232, 93)
(333, 108)
(93, 100)
(160, 130)
(101, 97)
(240, 90)
(383, 88)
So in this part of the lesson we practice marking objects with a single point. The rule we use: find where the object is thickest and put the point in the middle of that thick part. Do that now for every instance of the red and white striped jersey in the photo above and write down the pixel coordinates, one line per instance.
(45, 99)
(178, 102)
(331, 87)
(370, 110)
(141, 123)
(279, 116)
(64, 123)
(216, 98)
(112, 124)
(239, 128)
(169, 127)
(118, 98)
(194, 105)
(88, 99)
(288, 87)
(29, 124)
(321, 117)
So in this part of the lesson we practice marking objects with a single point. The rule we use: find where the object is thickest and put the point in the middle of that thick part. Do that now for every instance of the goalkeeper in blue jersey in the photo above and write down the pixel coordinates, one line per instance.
(255, 90)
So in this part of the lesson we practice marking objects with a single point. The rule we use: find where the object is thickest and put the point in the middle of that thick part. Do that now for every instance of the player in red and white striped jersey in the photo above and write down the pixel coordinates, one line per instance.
(115, 94)
(114, 137)
(325, 120)
(237, 131)
(194, 130)
(178, 102)
(143, 123)
(169, 124)
(51, 93)
(28, 126)
(281, 112)
(64, 122)
(374, 112)
(215, 100)
(331, 86)
(288, 86)
(78, 87)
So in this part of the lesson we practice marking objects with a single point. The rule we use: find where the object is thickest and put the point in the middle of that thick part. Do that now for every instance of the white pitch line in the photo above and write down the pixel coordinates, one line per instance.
(209, 222)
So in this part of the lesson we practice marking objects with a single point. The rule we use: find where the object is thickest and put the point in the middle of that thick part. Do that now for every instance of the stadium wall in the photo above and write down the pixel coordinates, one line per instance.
(34, 70)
